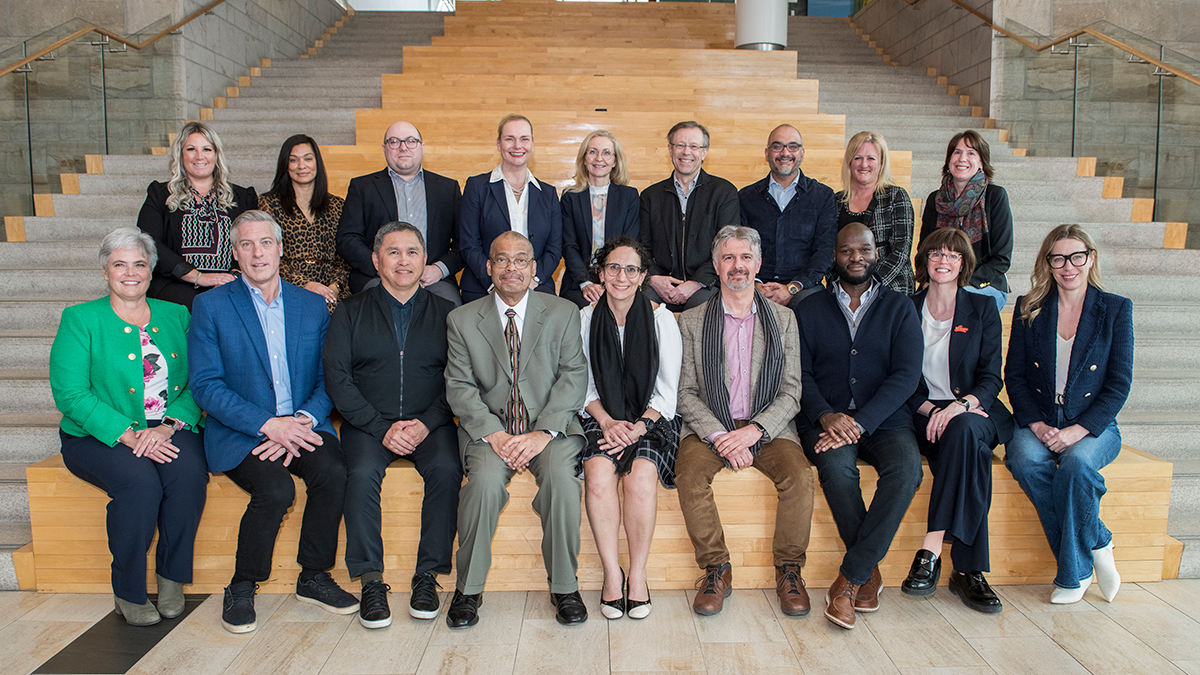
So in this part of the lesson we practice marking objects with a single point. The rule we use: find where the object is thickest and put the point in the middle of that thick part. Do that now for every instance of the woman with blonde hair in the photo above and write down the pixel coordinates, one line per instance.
(600, 206)
(1068, 372)
(868, 196)
(188, 217)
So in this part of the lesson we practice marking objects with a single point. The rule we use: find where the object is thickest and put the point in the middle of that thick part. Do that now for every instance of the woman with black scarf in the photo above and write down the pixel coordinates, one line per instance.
(634, 353)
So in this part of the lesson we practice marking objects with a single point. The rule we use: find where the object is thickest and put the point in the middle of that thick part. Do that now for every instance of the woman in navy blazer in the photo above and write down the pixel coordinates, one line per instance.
(960, 375)
(487, 210)
(601, 195)
(1069, 369)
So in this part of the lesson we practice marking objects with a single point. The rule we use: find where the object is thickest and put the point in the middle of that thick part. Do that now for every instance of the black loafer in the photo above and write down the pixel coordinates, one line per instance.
(923, 578)
(571, 610)
(464, 610)
(975, 592)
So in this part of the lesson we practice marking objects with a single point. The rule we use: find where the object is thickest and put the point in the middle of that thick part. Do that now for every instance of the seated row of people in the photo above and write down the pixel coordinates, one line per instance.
(328, 240)
(858, 371)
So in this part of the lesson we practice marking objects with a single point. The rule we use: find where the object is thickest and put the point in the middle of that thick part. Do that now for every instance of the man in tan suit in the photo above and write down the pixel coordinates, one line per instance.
(739, 393)
(515, 377)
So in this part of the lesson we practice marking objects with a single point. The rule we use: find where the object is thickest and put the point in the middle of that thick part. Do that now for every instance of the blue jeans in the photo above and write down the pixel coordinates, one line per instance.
(991, 291)
(1066, 489)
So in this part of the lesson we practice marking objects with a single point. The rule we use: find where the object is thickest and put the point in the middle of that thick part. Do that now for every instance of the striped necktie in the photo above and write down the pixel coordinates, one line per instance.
(516, 416)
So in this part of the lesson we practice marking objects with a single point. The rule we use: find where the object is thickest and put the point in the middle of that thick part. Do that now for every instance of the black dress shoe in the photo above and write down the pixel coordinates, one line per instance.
(923, 578)
(571, 610)
(975, 592)
(464, 610)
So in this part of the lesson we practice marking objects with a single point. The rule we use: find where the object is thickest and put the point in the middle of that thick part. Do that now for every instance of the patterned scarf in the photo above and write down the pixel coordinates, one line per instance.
(965, 212)
(712, 354)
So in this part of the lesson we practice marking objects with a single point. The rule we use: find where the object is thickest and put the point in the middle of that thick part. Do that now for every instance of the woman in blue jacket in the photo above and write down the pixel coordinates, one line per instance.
(1069, 369)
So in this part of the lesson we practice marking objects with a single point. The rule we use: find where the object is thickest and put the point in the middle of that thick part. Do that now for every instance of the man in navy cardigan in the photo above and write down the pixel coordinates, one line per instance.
(796, 216)
(860, 353)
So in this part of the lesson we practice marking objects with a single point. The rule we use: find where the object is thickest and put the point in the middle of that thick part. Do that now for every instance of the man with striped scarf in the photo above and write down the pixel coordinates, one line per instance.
(738, 394)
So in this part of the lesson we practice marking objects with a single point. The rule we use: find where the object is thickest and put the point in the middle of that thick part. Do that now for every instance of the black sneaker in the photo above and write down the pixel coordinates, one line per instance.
(424, 601)
(237, 612)
(373, 610)
(324, 592)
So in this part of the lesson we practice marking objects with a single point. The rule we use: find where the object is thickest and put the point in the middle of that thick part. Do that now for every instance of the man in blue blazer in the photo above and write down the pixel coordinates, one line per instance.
(403, 191)
(860, 356)
(509, 198)
(254, 354)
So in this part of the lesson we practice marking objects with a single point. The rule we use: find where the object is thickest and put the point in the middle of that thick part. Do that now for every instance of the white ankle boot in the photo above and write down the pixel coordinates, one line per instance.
(1069, 596)
(1106, 571)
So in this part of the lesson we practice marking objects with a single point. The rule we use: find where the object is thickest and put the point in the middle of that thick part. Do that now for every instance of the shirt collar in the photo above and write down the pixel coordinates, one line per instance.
(779, 186)
(502, 307)
(679, 186)
(498, 175)
(420, 177)
(257, 294)
(753, 310)
(845, 297)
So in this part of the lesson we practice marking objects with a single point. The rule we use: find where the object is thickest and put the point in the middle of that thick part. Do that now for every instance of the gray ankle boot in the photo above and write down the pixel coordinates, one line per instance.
(170, 597)
(137, 615)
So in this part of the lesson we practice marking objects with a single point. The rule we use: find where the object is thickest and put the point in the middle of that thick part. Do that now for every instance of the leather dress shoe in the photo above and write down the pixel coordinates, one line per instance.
(789, 586)
(840, 602)
(712, 589)
(923, 578)
(867, 599)
(464, 610)
(571, 610)
(975, 592)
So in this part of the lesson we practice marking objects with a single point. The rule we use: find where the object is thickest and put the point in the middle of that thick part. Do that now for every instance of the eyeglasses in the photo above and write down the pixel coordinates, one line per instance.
(1078, 259)
(394, 143)
(778, 147)
(606, 154)
(687, 146)
(503, 262)
(952, 256)
(614, 270)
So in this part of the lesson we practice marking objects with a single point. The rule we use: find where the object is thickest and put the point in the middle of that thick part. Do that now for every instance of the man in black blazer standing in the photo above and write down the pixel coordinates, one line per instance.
(406, 192)
(861, 348)
(391, 392)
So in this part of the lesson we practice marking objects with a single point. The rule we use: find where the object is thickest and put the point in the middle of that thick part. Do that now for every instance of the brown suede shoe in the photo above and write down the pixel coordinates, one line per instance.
(712, 589)
(867, 599)
(840, 602)
(789, 586)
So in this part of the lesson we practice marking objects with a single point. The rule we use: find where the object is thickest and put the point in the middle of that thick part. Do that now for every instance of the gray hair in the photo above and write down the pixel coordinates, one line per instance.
(255, 216)
(396, 226)
(128, 237)
(730, 232)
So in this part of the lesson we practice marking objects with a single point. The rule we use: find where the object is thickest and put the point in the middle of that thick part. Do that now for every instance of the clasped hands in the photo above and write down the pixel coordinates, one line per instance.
(620, 434)
(517, 451)
(734, 446)
(674, 291)
(1056, 440)
(285, 438)
(775, 292)
(939, 419)
(153, 444)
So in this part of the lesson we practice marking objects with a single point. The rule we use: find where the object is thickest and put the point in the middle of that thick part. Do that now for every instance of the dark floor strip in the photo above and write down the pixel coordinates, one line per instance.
(113, 646)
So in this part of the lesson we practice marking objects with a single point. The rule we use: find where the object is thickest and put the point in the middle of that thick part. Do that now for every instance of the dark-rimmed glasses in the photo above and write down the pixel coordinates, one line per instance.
(1058, 261)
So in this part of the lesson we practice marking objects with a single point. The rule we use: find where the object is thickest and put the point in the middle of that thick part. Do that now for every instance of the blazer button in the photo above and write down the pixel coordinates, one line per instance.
(1093, 367)
(174, 355)
(154, 329)
(1039, 391)
(132, 390)
(128, 329)
(853, 380)
(1087, 394)
(1036, 364)
(132, 357)
(176, 387)
(854, 352)
(957, 391)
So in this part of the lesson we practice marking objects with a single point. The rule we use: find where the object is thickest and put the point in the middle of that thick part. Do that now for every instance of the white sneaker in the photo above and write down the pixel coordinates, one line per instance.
(1069, 596)
(1106, 571)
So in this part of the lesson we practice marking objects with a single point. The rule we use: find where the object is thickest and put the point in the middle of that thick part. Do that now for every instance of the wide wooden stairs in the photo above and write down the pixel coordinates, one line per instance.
(634, 69)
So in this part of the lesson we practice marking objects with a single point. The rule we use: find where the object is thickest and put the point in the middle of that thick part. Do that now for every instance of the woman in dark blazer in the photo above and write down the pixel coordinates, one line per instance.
(600, 206)
(509, 198)
(959, 418)
(189, 216)
(119, 375)
(1068, 371)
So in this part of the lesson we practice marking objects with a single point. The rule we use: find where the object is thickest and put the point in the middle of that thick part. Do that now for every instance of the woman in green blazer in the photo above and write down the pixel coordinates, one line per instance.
(118, 372)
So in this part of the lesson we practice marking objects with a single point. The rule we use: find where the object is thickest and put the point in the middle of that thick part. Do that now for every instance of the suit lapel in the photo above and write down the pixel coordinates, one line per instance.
(1091, 317)
(387, 193)
(1045, 340)
(496, 189)
(964, 315)
(489, 328)
(611, 208)
(535, 318)
(293, 317)
(243, 306)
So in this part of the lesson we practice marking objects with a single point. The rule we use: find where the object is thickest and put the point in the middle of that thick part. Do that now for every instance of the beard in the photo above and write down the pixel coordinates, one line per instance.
(846, 277)
(740, 285)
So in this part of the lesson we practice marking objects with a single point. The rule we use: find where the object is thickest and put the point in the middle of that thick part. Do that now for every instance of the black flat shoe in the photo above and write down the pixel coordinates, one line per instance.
(975, 592)
(571, 610)
(614, 609)
(464, 610)
(923, 578)
(637, 609)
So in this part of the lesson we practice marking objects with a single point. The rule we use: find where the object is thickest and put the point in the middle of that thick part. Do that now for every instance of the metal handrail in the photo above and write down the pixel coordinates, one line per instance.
(1074, 34)
(111, 35)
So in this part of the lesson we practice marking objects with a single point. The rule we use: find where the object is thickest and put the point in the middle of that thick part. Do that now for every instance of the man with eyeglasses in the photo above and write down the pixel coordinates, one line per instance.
(515, 377)
(796, 216)
(680, 216)
(739, 392)
(406, 192)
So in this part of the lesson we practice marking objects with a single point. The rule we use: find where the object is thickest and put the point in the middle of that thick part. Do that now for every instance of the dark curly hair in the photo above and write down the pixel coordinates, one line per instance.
(601, 256)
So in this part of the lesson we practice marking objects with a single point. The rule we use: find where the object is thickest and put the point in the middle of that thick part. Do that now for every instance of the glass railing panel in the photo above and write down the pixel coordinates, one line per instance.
(1178, 166)
(16, 186)
(1035, 98)
(141, 101)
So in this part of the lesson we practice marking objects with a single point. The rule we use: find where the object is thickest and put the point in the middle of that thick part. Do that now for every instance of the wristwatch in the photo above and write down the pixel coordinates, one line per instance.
(795, 287)
(762, 430)
(964, 402)
(648, 422)
(177, 425)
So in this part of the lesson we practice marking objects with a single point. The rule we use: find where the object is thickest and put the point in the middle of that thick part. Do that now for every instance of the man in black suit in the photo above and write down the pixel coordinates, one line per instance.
(391, 392)
(403, 192)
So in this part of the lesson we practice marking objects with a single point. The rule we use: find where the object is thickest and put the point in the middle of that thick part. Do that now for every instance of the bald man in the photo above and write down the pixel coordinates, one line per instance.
(405, 192)
(861, 348)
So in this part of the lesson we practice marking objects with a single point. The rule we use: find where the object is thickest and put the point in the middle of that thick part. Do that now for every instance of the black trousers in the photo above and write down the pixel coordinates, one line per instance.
(272, 492)
(961, 463)
(440, 467)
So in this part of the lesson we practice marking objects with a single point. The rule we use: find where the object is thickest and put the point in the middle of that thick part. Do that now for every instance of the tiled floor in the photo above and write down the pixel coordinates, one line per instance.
(1150, 628)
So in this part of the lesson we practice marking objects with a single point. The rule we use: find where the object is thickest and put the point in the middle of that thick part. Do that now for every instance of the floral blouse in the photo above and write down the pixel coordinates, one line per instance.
(154, 373)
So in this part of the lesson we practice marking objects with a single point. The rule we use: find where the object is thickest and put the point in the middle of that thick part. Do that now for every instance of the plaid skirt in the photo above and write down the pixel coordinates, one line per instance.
(660, 450)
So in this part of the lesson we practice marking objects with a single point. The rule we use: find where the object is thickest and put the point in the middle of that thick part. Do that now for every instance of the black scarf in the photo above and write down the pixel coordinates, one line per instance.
(625, 376)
